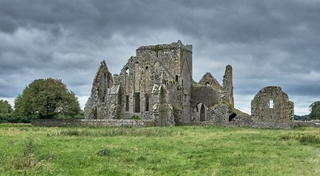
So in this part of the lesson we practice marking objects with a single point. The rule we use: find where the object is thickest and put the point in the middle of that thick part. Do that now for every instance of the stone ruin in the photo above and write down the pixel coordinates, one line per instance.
(271, 108)
(157, 85)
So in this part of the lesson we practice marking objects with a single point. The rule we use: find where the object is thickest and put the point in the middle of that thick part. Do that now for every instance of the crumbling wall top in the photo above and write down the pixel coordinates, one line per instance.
(210, 81)
(173, 45)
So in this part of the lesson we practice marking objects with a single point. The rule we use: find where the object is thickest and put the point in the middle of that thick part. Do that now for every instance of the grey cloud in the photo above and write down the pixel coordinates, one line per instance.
(267, 42)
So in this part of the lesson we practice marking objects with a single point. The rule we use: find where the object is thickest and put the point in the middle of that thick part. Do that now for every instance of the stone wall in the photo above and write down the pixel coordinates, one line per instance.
(312, 123)
(271, 108)
(227, 88)
(92, 122)
(205, 95)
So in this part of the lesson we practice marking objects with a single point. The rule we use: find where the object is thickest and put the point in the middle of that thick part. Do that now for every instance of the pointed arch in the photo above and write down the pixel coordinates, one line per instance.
(202, 113)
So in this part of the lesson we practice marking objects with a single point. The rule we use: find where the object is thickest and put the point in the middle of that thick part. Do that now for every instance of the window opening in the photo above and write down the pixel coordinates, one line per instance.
(147, 102)
(177, 78)
(137, 102)
(127, 102)
(202, 113)
(270, 103)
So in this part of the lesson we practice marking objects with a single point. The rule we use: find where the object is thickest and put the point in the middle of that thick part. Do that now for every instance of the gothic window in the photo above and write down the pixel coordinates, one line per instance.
(202, 113)
(137, 102)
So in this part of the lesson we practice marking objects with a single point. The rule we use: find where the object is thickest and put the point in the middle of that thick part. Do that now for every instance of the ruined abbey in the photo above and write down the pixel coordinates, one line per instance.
(157, 85)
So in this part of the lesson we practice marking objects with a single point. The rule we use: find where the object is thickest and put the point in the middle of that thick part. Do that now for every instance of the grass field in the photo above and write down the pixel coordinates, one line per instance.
(26, 150)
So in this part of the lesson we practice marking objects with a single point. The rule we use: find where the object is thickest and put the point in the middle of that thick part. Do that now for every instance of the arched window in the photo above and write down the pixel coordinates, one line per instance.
(202, 113)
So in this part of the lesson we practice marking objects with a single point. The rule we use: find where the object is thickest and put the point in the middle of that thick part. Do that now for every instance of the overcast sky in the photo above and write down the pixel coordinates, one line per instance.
(267, 42)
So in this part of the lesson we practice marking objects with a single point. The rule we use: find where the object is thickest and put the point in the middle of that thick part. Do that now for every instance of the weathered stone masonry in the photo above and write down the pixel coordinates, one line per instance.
(157, 85)
(271, 108)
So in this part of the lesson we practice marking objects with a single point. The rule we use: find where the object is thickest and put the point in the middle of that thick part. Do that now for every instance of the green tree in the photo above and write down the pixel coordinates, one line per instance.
(5, 107)
(47, 98)
(315, 110)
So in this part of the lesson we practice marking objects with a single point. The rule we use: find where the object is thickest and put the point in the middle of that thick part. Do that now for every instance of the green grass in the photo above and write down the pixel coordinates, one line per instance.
(26, 150)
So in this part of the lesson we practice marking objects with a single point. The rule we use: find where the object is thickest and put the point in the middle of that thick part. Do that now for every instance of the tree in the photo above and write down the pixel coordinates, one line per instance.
(5, 107)
(48, 98)
(315, 110)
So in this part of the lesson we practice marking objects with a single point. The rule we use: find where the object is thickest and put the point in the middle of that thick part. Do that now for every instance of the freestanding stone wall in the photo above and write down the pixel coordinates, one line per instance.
(271, 108)
(92, 122)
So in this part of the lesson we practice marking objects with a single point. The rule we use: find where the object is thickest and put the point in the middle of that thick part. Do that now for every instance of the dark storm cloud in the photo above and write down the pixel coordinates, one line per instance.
(267, 42)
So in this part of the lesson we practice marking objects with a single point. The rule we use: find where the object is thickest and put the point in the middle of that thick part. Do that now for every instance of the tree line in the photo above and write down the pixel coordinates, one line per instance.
(42, 98)
(50, 98)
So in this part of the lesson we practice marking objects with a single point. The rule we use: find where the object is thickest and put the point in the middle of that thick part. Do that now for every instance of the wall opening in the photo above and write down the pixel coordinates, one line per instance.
(147, 102)
(202, 113)
(270, 103)
(127, 102)
(233, 115)
(207, 84)
(137, 102)
(177, 78)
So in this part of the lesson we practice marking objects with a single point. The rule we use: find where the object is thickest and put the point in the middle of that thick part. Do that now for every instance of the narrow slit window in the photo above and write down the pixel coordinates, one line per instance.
(137, 102)
(270, 103)
(127, 102)
(147, 102)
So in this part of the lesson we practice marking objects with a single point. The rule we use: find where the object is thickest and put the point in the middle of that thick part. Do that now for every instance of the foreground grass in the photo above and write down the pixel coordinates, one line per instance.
(26, 150)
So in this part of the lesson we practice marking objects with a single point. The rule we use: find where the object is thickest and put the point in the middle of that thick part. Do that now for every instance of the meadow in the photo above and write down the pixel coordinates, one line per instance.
(186, 150)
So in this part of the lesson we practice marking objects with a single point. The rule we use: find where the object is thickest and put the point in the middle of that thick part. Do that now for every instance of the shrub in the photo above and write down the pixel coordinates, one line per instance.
(135, 117)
